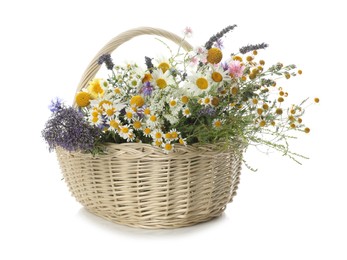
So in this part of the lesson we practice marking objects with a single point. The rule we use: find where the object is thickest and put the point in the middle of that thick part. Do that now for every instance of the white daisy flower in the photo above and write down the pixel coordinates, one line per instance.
(174, 134)
(157, 134)
(206, 101)
(152, 120)
(199, 83)
(161, 80)
(95, 120)
(183, 141)
(126, 132)
(147, 131)
(167, 147)
(186, 112)
(163, 64)
(114, 124)
(129, 114)
(219, 76)
(109, 110)
(218, 123)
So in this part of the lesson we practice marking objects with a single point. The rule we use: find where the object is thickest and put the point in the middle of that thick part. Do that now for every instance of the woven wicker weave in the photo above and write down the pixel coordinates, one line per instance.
(138, 185)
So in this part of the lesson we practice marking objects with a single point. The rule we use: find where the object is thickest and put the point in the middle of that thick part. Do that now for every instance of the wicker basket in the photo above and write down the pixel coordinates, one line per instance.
(138, 185)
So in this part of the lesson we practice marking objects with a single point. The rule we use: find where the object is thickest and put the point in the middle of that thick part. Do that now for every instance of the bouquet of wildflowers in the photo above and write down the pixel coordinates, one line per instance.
(195, 97)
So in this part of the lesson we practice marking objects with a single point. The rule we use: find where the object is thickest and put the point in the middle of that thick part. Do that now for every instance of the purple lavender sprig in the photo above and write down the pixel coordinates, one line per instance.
(253, 47)
(106, 58)
(149, 64)
(68, 129)
(216, 37)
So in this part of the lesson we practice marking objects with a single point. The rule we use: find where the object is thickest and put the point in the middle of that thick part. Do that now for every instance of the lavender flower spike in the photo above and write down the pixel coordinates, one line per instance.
(106, 58)
(252, 47)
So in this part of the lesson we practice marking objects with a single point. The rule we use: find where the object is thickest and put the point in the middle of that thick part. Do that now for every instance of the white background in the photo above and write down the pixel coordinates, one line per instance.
(283, 211)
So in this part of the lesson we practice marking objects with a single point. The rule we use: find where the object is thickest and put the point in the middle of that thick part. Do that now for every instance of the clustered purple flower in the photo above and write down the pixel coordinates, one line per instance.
(147, 89)
(207, 111)
(68, 129)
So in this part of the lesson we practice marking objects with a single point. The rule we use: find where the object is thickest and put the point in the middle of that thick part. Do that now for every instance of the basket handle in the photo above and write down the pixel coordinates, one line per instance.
(94, 67)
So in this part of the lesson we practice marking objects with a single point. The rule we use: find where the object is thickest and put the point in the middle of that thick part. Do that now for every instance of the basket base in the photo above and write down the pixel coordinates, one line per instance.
(159, 224)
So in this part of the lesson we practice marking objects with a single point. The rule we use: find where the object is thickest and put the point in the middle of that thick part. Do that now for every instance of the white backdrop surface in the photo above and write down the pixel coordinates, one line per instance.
(283, 211)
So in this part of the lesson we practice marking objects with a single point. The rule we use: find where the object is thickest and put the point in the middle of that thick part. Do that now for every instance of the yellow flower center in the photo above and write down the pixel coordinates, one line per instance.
(129, 115)
(137, 101)
(158, 143)
(174, 135)
(117, 90)
(185, 99)
(95, 113)
(218, 123)
(207, 100)
(110, 111)
(164, 66)
(82, 99)
(153, 118)
(173, 103)
(114, 124)
(187, 111)
(215, 101)
(217, 77)
(125, 130)
(181, 141)
(234, 90)
(161, 83)
(168, 147)
(214, 55)
(262, 123)
(146, 77)
(158, 135)
(147, 111)
(137, 124)
(168, 135)
(95, 119)
(202, 83)
(147, 131)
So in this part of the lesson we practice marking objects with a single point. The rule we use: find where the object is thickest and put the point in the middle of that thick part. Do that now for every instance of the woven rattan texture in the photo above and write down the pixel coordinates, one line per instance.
(137, 185)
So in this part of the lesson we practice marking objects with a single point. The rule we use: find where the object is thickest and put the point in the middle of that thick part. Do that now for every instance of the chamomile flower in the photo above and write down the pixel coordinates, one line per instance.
(129, 114)
(186, 112)
(114, 124)
(173, 103)
(199, 83)
(163, 64)
(157, 143)
(137, 124)
(157, 134)
(161, 80)
(218, 123)
(147, 131)
(174, 134)
(206, 101)
(152, 120)
(125, 131)
(219, 76)
(96, 120)
(109, 110)
(167, 147)
(183, 141)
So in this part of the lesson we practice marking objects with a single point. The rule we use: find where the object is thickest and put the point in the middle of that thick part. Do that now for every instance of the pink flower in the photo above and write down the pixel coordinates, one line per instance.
(236, 69)
(188, 31)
